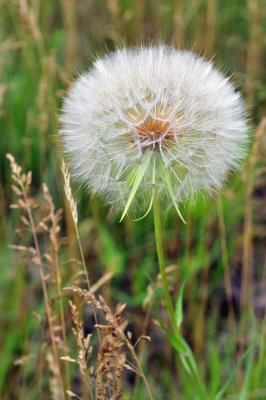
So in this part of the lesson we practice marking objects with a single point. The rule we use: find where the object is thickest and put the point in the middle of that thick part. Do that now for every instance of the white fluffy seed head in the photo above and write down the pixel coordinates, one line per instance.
(153, 119)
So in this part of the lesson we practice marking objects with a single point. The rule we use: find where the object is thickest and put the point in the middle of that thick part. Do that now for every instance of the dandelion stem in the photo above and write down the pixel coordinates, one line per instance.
(186, 355)
(161, 259)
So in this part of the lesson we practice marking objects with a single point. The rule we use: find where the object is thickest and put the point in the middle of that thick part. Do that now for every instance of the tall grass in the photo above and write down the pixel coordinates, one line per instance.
(220, 253)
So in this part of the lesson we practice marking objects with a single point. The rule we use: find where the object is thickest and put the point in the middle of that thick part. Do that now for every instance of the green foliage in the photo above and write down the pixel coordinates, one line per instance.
(43, 47)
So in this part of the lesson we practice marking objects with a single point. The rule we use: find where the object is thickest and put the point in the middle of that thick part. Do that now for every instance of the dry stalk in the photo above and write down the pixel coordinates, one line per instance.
(179, 23)
(21, 187)
(53, 218)
(69, 12)
(74, 213)
(111, 359)
(211, 21)
(255, 48)
(115, 358)
(28, 16)
(247, 260)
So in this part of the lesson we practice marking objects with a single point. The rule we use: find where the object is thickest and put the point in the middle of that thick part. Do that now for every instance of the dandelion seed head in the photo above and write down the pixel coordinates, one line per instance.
(168, 116)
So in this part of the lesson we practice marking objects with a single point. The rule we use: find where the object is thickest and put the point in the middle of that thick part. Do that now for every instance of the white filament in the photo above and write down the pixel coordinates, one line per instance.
(105, 107)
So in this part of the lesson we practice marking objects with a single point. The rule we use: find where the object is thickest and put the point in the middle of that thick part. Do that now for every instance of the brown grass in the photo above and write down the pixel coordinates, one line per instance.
(41, 218)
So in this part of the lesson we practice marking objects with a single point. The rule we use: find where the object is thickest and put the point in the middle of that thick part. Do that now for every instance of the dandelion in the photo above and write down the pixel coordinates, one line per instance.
(155, 126)
(150, 122)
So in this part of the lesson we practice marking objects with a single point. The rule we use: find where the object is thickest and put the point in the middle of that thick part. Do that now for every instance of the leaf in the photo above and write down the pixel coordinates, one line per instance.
(178, 343)
(232, 374)
(186, 357)
(171, 192)
(244, 391)
(150, 206)
(137, 181)
(179, 306)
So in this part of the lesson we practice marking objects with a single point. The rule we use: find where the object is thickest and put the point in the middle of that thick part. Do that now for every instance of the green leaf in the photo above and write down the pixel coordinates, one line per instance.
(150, 205)
(232, 374)
(171, 192)
(178, 343)
(137, 181)
(244, 390)
(186, 357)
(179, 306)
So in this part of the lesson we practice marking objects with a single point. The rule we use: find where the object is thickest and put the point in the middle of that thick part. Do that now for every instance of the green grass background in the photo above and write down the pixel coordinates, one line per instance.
(44, 44)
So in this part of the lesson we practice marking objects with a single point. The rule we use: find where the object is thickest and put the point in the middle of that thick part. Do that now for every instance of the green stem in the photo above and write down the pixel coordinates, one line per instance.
(186, 357)
(160, 254)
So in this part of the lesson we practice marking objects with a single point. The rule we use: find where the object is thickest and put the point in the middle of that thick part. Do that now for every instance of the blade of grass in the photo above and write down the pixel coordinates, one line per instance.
(233, 373)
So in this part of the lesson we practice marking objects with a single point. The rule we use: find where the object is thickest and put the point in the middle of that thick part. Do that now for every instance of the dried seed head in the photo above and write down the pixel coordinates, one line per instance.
(153, 121)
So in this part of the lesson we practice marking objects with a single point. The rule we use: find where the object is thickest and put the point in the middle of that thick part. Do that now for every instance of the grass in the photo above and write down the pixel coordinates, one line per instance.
(220, 252)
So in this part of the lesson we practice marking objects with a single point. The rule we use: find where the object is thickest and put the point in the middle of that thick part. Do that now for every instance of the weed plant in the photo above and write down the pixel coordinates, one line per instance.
(67, 270)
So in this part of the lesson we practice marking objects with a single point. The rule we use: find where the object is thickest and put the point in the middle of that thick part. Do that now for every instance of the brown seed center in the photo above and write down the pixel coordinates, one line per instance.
(154, 129)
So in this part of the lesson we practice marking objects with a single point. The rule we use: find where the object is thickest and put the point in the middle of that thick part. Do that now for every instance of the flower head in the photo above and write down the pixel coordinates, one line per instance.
(153, 121)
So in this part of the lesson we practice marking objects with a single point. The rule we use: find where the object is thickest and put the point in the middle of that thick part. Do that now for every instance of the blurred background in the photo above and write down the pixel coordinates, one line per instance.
(221, 250)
